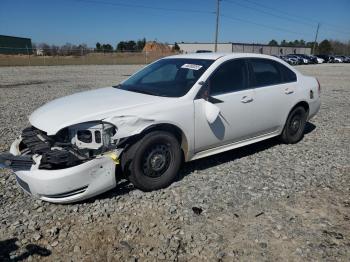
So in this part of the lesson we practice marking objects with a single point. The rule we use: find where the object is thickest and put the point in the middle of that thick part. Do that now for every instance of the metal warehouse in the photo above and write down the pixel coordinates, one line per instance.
(244, 48)
(15, 45)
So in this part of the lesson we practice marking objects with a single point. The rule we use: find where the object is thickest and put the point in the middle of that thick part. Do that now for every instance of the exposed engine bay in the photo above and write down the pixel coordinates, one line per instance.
(69, 147)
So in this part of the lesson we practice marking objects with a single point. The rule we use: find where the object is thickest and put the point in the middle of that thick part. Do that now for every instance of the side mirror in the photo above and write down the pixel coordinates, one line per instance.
(211, 112)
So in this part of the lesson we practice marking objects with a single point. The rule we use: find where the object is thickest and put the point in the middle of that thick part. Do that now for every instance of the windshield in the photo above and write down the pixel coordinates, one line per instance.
(171, 77)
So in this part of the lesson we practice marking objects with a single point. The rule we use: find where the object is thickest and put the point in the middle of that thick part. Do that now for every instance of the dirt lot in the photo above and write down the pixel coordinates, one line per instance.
(264, 202)
(127, 58)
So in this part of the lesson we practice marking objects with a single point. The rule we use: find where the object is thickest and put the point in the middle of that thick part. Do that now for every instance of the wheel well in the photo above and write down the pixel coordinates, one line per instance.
(303, 104)
(173, 129)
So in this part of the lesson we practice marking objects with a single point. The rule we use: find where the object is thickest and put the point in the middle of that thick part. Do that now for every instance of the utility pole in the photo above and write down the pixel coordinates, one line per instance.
(314, 46)
(217, 24)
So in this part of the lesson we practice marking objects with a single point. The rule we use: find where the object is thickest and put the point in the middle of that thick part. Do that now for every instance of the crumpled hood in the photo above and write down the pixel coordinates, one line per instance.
(87, 106)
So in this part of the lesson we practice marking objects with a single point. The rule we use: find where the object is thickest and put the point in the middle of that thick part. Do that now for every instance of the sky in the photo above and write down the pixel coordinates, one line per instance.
(110, 21)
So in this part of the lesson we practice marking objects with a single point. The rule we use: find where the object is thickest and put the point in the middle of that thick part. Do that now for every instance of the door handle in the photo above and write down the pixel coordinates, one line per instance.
(246, 99)
(288, 91)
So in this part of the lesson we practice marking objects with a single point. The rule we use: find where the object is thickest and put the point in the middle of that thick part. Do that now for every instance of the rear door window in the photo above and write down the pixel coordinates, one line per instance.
(265, 72)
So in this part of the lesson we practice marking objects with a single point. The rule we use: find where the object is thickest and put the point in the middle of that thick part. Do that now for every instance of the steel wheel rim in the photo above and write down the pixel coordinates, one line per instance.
(156, 160)
(295, 123)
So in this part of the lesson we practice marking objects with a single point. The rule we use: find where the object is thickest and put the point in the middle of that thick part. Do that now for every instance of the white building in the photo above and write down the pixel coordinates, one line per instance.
(39, 52)
(243, 48)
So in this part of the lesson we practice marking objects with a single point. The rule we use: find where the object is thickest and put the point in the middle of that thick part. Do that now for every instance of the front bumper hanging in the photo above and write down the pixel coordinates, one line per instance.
(65, 185)
(16, 163)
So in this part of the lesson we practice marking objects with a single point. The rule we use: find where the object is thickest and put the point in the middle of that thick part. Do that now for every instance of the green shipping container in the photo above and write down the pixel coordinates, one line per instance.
(11, 45)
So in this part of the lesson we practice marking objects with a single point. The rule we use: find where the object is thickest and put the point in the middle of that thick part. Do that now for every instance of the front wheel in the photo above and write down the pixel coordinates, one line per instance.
(294, 128)
(154, 160)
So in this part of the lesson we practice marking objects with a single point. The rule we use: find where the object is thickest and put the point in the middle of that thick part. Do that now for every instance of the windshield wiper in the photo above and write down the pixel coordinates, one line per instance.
(137, 90)
(142, 91)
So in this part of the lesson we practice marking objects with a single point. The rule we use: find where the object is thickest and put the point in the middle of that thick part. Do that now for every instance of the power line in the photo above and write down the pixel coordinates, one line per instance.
(145, 7)
(311, 22)
(261, 25)
(279, 10)
(298, 16)
(129, 5)
(280, 16)
(269, 13)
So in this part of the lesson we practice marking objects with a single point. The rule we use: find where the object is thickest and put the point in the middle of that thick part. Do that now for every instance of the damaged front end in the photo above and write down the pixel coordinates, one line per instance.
(69, 147)
(76, 163)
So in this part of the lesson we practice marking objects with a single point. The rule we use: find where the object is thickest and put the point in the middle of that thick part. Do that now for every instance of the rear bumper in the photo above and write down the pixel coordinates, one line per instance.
(69, 184)
(314, 107)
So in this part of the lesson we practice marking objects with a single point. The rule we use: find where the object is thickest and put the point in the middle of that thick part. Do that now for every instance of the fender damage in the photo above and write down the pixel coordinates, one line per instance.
(76, 163)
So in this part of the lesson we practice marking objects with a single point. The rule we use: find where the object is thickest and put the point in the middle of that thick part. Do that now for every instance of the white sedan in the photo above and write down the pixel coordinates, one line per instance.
(319, 60)
(179, 108)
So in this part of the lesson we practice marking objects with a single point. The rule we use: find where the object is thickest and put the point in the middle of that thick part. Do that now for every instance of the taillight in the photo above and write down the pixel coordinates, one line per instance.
(319, 87)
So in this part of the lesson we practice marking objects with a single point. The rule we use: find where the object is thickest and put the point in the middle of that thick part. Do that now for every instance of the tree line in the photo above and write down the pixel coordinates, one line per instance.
(122, 46)
(66, 49)
(83, 49)
(325, 47)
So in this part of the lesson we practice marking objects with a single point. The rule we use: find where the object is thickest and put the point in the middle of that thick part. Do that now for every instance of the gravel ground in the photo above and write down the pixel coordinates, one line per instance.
(265, 202)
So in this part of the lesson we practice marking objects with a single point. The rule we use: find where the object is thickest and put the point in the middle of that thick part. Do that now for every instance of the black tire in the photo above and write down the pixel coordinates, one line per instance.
(154, 161)
(293, 130)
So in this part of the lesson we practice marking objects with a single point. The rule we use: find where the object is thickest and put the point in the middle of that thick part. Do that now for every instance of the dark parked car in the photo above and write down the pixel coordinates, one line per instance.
(335, 59)
(300, 60)
(289, 60)
(204, 51)
(346, 59)
(311, 59)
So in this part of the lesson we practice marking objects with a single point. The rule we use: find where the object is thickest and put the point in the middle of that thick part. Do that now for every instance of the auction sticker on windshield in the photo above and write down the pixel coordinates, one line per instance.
(192, 66)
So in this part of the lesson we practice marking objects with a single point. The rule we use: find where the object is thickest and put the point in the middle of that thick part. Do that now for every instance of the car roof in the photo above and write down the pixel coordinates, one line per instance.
(215, 56)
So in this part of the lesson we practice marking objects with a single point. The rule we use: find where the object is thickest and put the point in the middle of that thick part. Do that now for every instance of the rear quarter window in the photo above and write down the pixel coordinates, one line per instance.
(265, 72)
(288, 75)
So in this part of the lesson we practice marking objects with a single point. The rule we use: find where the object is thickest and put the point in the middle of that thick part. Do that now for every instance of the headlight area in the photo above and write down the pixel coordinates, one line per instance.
(76, 163)
(71, 146)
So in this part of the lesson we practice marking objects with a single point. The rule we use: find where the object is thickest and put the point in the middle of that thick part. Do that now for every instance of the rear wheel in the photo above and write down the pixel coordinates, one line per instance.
(154, 161)
(294, 128)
